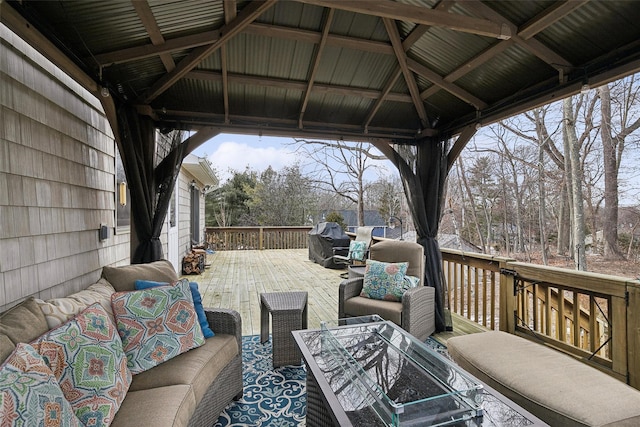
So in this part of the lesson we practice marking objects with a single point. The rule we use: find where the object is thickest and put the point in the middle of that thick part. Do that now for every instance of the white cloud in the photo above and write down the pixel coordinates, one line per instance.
(237, 156)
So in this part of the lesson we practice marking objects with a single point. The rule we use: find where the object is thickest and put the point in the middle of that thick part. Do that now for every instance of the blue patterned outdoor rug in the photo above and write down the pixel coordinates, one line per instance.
(272, 397)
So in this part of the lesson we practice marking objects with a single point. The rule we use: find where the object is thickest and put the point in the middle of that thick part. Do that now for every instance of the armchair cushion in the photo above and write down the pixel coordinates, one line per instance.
(384, 280)
(359, 306)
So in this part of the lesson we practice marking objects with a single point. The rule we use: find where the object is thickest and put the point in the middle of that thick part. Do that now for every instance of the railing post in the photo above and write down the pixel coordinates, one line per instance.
(261, 238)
(633, 333)
(508, 298)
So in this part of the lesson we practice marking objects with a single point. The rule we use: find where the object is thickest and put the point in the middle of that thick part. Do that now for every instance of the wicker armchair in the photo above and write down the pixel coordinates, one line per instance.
(415, 313)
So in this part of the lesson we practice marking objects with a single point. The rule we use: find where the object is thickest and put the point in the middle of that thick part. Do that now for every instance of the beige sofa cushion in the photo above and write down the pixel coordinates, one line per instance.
(359, 306)
(553, 386)
(170, 406)
(22, 323)
(198, 367)
(59, 310)
(124, 278)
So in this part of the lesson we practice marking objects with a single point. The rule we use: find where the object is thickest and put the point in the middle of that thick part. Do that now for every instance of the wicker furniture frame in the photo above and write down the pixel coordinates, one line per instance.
(289, 313)
(418, 304)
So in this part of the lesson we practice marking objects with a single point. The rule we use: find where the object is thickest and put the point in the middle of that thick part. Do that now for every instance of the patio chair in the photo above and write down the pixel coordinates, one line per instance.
(415, 312)
(358, 249)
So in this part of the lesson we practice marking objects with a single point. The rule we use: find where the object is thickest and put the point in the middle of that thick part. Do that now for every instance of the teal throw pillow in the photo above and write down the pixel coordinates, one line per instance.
(85, 355)
(357, 250)
(156, 324)
(384, 280)
(30, 394)
(197, 302)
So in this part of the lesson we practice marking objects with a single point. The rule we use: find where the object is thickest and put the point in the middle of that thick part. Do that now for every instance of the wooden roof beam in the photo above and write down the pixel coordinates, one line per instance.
(464, 137)
(316, 63)
(228, 31)
(407, 43)
(394, 36)
(469, 66)
(420, 15)
(155, 35)
(294, 85)
(230, 13)
(195, 40)
(437, 80)
(532, 45)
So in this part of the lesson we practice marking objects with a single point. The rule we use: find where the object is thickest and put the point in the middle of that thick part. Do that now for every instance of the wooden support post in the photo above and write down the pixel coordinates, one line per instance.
(633, 333)
(507, 300)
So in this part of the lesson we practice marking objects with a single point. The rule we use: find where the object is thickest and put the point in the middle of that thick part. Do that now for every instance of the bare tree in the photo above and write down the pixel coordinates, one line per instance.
(613, 144)
(573, 146)
(340, 167)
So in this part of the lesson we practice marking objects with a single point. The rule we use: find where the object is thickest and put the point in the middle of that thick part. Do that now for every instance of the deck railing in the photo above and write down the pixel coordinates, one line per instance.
(594, 317)
(249, 238)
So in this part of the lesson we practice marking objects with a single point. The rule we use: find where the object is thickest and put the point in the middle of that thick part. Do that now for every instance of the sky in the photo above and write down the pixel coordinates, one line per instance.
(236, 152)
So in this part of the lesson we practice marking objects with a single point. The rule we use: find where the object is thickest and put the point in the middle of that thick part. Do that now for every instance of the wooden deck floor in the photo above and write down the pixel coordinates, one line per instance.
(235, 280)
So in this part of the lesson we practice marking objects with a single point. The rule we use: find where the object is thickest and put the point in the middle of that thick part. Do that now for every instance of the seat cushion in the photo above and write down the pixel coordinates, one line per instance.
(158, 407)
(553, 386)
(124, 278)
(197, 367)
(388, 310)
(22, 323)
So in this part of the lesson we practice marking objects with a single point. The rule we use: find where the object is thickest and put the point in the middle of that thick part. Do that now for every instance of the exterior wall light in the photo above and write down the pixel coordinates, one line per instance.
(122, 193)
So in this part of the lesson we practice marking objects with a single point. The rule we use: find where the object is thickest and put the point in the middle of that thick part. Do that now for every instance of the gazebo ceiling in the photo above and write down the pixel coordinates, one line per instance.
(359, 70)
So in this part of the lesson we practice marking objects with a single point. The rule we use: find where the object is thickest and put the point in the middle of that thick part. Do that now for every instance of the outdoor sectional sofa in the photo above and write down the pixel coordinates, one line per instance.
(190, 389)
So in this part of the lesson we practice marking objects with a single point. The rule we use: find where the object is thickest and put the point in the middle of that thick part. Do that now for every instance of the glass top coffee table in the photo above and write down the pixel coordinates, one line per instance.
(369, 372)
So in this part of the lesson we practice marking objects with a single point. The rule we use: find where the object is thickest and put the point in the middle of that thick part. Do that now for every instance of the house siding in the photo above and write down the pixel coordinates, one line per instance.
(57, 180)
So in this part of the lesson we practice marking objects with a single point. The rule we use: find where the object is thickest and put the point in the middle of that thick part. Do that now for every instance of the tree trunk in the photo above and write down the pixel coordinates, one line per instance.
(610, 159)
(579, 257)
(564, 223)
(542, 208)
(474, 214)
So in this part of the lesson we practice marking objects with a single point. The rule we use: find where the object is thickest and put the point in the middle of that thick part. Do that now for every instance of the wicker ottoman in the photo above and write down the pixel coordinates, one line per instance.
(289, 313)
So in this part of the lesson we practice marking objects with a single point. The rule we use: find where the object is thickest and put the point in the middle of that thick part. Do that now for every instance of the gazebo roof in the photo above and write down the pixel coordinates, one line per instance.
(360, 70)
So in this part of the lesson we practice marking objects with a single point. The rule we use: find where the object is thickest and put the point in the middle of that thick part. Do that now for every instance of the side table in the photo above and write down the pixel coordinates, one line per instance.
(289, 313)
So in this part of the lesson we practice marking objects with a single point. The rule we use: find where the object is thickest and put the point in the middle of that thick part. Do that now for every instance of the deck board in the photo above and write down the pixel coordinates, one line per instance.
(235, 280)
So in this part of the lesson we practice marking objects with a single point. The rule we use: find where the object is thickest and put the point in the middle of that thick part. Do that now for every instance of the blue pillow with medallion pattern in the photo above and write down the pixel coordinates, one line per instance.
(384, 280)
(197, 302)
(156, 324)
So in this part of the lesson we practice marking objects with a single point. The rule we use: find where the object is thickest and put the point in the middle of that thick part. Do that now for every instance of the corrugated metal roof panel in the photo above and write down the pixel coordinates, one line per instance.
(443, 50)
(394, 114)
(573, 36)
(346, 67)
(181, 17)
(359, 26)
(504, 74)
(294, 15)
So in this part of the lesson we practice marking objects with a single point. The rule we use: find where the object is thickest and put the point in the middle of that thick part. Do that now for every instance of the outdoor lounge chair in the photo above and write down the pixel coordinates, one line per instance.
(358, 248)
(415, 313)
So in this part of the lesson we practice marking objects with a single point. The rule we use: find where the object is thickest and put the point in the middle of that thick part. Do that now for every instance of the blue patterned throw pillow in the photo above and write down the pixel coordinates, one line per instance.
(156, 324)
(384, 280)
(197, 302)
(85, 355)
(357, 250)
